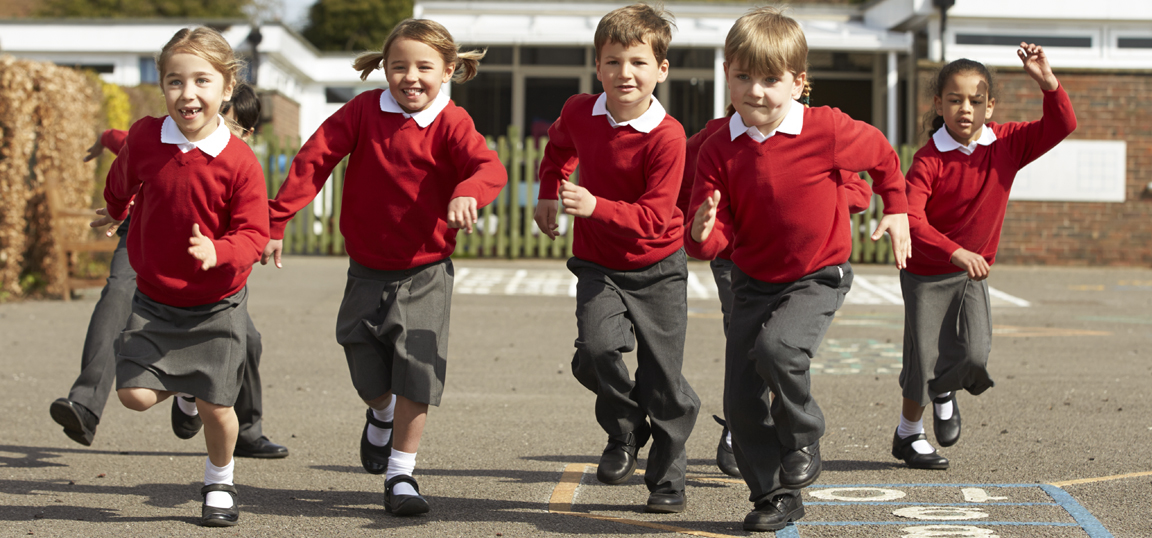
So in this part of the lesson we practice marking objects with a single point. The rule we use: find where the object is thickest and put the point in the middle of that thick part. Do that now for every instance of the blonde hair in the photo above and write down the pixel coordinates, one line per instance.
(430, 33)
(766, 42)
(637, 23)
(205, 43)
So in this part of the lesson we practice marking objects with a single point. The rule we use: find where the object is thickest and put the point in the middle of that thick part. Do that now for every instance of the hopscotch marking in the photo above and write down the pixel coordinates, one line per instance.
(866, 290)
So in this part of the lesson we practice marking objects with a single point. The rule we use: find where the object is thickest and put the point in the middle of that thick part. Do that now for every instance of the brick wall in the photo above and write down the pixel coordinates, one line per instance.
(284, 114)
(1109, 106)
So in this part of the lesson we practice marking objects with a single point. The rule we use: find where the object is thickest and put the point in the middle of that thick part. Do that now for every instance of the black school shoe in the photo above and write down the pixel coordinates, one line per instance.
(800, 468)
(184, 426)
(775, 513)
(947, 431)
(902, 450)
(79, 423)
(666, 502)
(403, 505)
(210, 516)
(262, 448)
(375, 458)
(725, 459)
(618, 461)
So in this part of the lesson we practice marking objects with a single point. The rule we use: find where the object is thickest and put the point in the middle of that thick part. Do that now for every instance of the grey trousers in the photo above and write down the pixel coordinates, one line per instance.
(947, 335)
(775, 331)
(98, 359)
(722, 273)
(644, 310)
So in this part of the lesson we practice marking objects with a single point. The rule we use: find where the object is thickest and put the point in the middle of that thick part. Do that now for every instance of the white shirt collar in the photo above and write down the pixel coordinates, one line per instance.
(212, 144)
(945, 142)
(423, 118)
(647, 121)
(792, 124)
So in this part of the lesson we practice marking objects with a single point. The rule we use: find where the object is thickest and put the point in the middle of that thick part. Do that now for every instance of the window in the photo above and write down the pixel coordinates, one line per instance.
(339, 94)
(497, 56)
(488, 99)
(148, 72)
(698, 58)
(1015, 40)
(552, 55)
(1134, 43)
(100, 69)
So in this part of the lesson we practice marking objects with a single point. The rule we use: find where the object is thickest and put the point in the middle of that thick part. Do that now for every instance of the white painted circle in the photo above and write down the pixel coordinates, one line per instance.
(943, 513)
(857, 494)
(948, 531)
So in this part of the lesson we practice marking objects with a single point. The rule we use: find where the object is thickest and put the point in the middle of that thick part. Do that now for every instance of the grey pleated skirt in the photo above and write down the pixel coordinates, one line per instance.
(198, 350)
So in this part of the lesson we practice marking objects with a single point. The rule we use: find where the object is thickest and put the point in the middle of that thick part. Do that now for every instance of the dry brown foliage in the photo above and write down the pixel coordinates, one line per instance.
(49, 115)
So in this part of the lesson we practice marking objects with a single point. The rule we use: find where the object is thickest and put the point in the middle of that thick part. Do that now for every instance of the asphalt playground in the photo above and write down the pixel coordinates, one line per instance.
(1061, 447)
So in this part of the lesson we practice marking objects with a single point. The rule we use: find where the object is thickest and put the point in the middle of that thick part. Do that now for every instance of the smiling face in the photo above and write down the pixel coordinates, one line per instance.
(629, 75)
(415, 73)
(964, 104)
(193, 93)
(762, 100)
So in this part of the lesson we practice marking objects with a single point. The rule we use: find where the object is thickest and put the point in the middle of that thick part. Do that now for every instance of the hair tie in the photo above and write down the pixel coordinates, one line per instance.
(804, 100)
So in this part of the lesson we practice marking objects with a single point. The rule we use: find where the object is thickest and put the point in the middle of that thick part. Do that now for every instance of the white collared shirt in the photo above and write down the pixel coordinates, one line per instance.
(423, 118)
(792, 124)
(212, 144)
(944, 141)
(647, 121)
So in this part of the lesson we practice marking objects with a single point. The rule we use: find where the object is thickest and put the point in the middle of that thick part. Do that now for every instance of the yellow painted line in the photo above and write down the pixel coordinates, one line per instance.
(565, 491)
(1010, 330)
(1099, 479)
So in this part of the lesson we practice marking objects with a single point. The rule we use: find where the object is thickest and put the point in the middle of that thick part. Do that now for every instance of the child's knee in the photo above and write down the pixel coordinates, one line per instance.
(134, 399)
(212, 413)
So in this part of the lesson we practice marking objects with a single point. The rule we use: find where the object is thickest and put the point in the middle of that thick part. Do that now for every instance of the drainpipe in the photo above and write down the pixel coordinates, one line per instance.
(943, 6)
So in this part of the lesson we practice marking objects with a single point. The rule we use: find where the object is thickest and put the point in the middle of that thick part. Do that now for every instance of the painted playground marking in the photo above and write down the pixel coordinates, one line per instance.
(921, 510)
(866, 290)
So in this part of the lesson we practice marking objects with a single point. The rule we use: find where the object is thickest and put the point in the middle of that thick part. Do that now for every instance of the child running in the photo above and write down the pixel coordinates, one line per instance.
(859, 195)
(80, 412)
(631, 268)
(769, 186)
(957, 195)
(191, 183)
(417, 171)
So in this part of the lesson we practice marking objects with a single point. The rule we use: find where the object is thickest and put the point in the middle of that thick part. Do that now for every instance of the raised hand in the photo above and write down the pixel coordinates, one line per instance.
(462, 213)
(202, 248)
(705, 218)
(545, 217)
(896, 225)
(94, 151)
(1036, 65)
(975, 264)
(577, 201)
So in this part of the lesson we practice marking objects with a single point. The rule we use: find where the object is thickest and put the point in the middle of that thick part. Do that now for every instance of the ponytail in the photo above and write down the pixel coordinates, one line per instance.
(368, 62)
(466, 65)
(804, 100)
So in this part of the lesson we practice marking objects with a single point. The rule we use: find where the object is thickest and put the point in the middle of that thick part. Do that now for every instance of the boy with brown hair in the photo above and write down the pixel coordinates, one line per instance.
(628, 251)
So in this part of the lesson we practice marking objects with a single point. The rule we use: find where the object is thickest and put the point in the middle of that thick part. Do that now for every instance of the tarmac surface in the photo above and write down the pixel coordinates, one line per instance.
(1061, 447)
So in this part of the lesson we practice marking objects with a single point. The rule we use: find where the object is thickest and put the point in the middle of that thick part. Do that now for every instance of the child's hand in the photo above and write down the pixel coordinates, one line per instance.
(94, 151)
(545, 218)
(577, 200)
(272, 252)
(975, 264)
(462, 213)
(202, 249)
(1036, 65)
(705, 218)
(896, 225)
(106, 220)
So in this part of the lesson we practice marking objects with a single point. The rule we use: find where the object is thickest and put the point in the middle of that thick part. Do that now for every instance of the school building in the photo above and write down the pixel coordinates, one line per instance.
(1088, 202)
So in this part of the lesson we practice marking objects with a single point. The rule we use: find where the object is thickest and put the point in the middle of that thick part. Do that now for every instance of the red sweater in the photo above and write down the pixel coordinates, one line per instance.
(113, 139)
(781, 205)
(635, 177)
(225, 195)
(857, 191)
(398, 183)
(957, 200)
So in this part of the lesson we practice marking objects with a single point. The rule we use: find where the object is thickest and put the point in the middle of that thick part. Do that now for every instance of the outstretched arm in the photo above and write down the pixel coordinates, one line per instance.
(1037, 67)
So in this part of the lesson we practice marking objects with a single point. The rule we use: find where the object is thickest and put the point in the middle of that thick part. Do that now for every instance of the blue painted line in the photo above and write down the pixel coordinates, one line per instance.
(978, 522)
(927, 486)
(788, 532)
(1083, 517)
(897, 503)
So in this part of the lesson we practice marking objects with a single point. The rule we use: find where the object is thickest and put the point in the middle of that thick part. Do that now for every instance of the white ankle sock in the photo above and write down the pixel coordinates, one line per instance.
(218, 475)
(380, 436)
(187, 404)
(944, 410)
(908, 428)
(401, 463)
